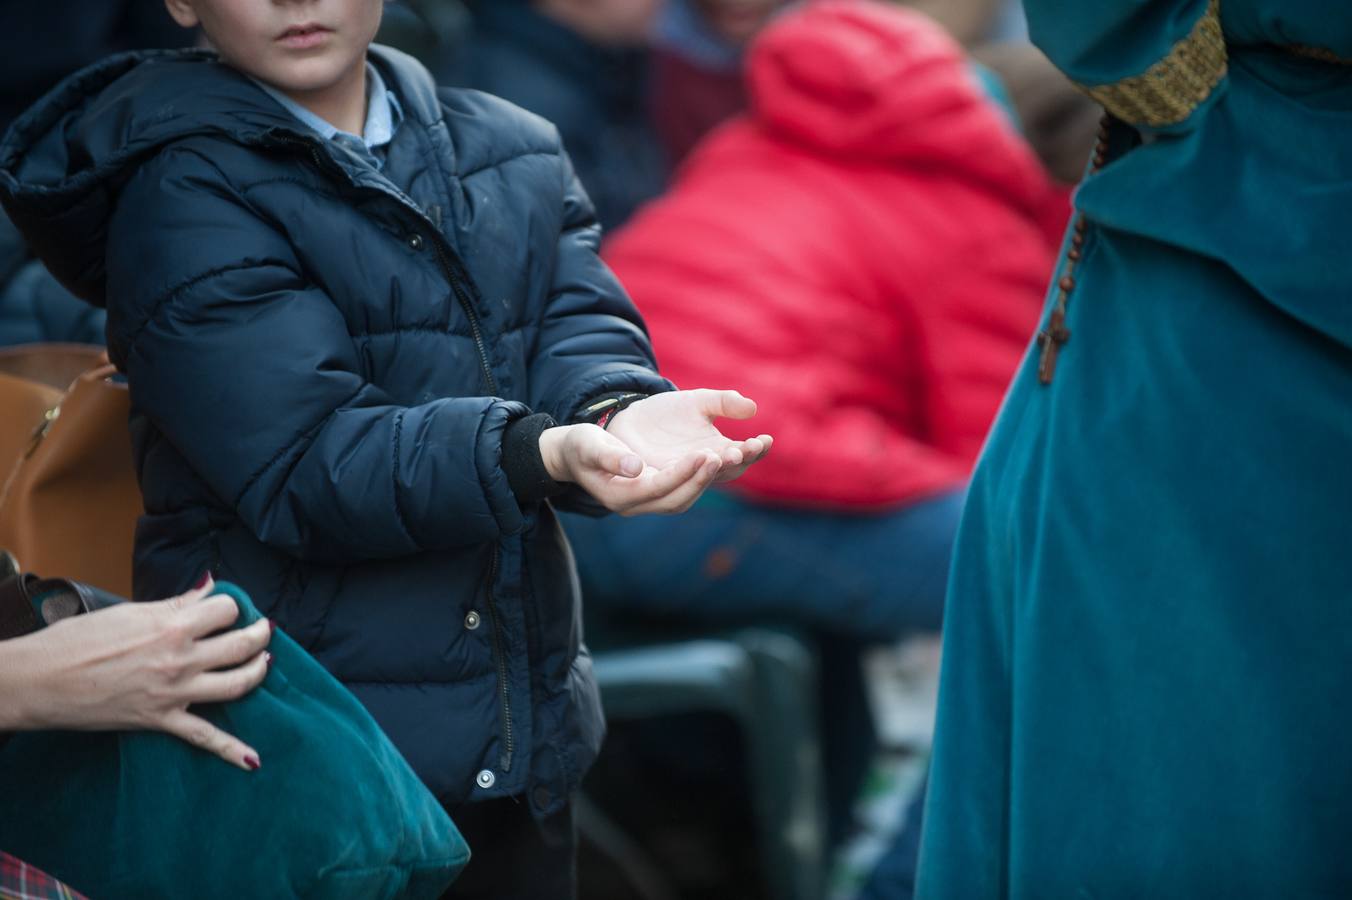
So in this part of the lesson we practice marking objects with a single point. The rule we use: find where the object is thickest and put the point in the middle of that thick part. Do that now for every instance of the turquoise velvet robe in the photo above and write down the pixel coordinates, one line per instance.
(1148, 643)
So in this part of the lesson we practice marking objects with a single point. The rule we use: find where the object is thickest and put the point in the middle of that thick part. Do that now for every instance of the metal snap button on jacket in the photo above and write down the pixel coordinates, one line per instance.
(415, 241)
(472, 620)
(486, 779)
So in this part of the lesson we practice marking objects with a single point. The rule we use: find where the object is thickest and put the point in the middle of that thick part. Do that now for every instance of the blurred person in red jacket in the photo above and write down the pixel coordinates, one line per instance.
(699, 46)
(866, 252)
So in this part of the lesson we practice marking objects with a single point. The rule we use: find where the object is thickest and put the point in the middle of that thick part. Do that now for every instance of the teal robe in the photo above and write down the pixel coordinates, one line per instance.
(1148, 643)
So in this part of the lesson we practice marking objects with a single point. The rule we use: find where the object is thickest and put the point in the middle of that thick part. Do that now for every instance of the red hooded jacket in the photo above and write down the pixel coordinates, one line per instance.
(865, 254)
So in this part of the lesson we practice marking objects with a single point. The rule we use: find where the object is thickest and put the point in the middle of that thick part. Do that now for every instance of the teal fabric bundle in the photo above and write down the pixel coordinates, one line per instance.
(335, 812)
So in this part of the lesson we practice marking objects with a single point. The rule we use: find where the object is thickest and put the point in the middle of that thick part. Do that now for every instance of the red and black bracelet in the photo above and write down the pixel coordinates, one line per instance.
(602, 412)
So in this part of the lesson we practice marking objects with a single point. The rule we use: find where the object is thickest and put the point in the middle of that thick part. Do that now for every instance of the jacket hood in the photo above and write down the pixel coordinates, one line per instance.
(61, 162)
(867, 80)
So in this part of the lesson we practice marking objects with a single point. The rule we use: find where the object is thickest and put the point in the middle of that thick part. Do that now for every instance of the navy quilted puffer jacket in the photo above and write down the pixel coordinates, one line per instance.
(323, 360)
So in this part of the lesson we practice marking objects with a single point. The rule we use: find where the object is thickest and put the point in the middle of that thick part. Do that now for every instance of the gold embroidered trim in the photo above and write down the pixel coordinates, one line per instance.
(1169, 91)
(1319, 53)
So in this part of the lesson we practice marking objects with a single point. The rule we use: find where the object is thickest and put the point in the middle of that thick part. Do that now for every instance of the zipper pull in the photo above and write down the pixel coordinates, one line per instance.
(436, 216)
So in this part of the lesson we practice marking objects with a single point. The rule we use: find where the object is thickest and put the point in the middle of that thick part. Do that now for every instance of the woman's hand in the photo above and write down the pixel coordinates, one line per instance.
(137, 666)
(609, 471)
(664, 427)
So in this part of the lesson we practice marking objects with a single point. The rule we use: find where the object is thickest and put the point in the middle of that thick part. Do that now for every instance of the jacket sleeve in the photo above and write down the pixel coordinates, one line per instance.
(247, 368)
(1152, 63)
(846, 456)
(591, 338)
(976, 325)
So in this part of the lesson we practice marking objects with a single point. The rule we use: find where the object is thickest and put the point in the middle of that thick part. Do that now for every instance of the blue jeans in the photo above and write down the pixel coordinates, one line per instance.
(893, 877)
(850, 580)
(873, 577)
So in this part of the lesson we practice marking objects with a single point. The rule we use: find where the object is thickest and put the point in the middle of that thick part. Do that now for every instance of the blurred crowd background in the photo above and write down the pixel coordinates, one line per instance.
(847, 209)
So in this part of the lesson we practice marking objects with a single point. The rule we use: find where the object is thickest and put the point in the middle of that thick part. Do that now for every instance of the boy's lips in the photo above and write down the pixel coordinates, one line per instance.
(304, 37)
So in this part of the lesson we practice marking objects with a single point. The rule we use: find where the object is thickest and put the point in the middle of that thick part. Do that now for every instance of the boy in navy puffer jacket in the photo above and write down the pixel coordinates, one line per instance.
(351, 312)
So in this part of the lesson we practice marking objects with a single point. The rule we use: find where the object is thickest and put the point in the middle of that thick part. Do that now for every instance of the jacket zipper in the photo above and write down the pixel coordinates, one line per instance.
(447, 269)
(467, 305)
(461, 295)
(503, 696)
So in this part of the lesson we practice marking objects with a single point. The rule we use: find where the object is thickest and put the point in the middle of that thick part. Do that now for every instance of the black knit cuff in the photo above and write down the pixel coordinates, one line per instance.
(521, 460)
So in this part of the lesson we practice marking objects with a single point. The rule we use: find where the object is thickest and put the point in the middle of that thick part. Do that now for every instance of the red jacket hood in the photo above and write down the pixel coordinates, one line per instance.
(858, 78)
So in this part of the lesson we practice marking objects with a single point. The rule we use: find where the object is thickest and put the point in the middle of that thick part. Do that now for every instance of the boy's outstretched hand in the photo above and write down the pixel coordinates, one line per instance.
(658, 455)
(664, 427)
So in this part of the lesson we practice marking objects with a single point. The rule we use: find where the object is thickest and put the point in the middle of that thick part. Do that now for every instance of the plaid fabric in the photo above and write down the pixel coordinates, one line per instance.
(20, 881)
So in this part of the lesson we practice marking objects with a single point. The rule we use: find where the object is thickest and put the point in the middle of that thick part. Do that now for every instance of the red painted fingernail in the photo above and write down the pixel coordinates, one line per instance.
(269, 660)
(253, 762)
(272, 626)
(203, 581)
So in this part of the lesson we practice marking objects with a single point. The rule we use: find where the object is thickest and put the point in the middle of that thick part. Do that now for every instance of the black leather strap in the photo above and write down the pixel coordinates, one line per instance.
(17, 616)
(61, 598)
(80, 597)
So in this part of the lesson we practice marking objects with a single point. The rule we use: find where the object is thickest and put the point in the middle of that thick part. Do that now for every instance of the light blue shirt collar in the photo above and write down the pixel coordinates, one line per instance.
(383, 115)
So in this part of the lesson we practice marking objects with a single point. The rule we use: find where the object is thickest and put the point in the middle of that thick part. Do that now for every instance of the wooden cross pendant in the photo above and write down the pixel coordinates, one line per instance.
(1051, 340)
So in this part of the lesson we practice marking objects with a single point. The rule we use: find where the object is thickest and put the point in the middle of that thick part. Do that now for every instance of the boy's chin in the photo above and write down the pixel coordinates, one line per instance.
(304, 76)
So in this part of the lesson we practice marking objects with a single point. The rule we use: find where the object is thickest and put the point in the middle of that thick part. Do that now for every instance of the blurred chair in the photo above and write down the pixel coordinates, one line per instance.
(765, 681)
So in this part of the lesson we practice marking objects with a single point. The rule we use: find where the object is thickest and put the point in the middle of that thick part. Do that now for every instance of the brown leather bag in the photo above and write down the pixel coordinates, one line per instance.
(70, 500)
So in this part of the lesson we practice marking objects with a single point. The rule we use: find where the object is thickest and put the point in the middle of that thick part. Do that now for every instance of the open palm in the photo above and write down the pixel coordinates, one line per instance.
(664, 428)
